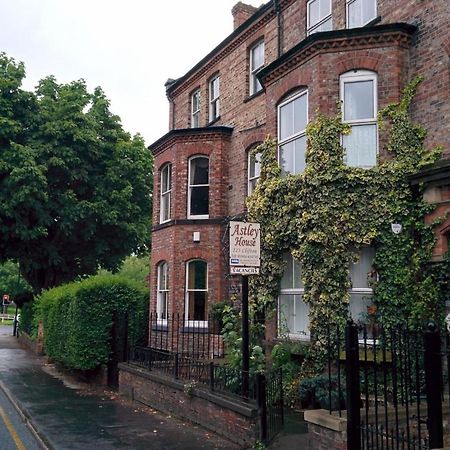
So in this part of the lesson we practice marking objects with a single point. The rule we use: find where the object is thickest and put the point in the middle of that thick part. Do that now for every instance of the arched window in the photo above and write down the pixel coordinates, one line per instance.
(196, 293)
(166, 193)
(359, 109)
(198, 189)
(293, 312)
(162, 291)
(292, 121)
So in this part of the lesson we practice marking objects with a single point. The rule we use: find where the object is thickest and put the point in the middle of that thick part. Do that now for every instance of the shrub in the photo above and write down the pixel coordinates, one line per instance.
(315, 392)
(78, 318)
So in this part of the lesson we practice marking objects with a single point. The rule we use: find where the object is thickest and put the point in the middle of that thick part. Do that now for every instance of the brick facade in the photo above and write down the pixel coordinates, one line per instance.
(405, 39)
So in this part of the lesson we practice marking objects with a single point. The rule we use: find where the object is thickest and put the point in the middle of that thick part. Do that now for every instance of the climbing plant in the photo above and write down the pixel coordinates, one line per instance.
(326, 214)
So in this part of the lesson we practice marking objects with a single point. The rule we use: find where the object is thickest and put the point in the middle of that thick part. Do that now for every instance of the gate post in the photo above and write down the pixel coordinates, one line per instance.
(433, 383)
(352, 385)
(261, 401)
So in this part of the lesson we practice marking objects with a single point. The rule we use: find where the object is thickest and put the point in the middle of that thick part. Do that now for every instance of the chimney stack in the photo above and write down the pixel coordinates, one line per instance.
(241, 12)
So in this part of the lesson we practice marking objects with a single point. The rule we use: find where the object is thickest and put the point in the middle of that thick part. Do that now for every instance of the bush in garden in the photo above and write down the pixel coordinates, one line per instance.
(78, 318)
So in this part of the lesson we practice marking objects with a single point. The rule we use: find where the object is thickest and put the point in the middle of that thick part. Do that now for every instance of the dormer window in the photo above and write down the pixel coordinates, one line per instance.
(319, 16)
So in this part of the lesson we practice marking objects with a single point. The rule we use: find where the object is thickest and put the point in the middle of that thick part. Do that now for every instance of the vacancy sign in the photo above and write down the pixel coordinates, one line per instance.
(245, 245)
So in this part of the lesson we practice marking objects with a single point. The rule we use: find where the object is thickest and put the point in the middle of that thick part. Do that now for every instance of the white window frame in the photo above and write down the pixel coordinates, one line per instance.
(214, 98)
(252, 161)
(316, 27)
(255, 85)
(165, 194)
(295, 136)
(357, 76)
(195, 112)
(361, 23)
(162, 292)
(305, 335)
(196, 324)
(366, 291)
(193, 186)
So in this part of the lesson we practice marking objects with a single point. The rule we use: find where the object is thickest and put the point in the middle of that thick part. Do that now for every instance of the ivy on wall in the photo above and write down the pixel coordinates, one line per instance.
(326, 214)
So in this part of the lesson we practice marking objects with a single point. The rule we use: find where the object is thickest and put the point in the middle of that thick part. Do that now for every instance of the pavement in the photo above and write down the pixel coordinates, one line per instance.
(64, 414)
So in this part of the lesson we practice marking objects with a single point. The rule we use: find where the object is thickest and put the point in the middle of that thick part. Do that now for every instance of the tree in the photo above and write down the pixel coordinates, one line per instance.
(75, 188)
(11, 283)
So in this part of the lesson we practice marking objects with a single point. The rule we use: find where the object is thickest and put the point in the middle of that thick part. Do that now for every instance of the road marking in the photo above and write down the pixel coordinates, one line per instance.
(12, 430)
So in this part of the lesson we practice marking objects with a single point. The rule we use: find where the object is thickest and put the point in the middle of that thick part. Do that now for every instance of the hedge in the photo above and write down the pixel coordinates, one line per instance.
(78, 318)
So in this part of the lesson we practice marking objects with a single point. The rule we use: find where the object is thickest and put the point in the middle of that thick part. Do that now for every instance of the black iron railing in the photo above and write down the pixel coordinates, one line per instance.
(393, 385)
(218, 378)
(200, 339)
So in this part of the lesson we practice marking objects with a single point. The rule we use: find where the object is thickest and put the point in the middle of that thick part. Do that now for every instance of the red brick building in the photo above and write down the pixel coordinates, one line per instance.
(282, 63)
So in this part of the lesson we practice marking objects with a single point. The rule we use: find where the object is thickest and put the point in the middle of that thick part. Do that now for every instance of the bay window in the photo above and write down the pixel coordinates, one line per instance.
(359, 109)
(293, 312)
(162, 292)
(292, 121)
(198, 188)
(196, 293)
(166, 193)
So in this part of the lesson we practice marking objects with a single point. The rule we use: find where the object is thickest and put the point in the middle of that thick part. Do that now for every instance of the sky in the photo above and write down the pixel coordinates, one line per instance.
(129, 48)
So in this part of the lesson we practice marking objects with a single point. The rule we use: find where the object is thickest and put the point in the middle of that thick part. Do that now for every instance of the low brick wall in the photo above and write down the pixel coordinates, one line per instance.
(326, 431)
(329, 431)
(235, 420)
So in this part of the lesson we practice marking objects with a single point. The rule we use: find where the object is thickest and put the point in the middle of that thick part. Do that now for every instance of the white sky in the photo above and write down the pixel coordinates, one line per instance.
(129, 48)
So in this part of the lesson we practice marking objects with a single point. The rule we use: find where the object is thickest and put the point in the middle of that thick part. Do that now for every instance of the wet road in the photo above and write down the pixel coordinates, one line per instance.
(14, 434)
(69, 418)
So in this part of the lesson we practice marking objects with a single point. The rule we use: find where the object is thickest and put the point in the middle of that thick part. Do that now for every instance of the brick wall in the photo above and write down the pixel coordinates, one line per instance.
(231, 419)
(396, 58)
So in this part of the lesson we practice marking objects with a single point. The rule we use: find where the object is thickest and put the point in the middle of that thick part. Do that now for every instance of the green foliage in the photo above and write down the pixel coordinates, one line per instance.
(75, 188)
(315, 392)
(78, 317)
(232, 336)
(13, 284)
(26, 319)
(135, 268)
(325, 215)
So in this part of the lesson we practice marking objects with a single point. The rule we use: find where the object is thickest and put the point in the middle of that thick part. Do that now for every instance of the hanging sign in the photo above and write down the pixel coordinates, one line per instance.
(245, 248)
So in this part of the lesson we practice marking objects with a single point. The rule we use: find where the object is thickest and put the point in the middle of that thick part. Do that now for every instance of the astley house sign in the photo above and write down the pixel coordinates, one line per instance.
(245, 239)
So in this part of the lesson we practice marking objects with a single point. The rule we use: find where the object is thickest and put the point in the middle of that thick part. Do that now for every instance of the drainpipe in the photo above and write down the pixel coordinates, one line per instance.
(277, 8)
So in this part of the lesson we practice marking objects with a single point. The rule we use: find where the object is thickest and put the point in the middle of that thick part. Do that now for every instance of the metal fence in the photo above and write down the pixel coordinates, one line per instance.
(218, 378)
(393, 386)
(189, 338)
